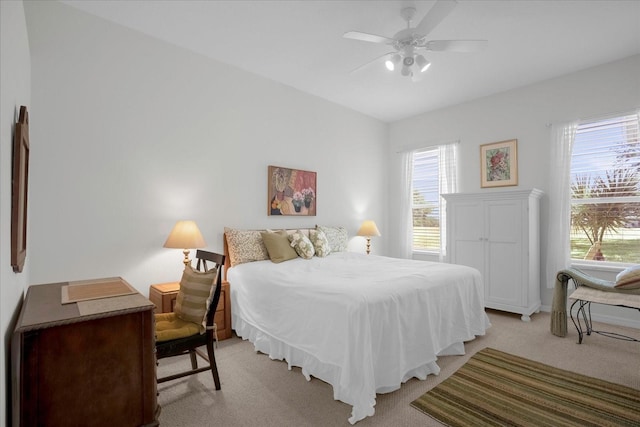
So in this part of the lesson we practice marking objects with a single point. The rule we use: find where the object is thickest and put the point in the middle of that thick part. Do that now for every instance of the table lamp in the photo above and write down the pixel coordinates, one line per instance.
(368, 229)
(185, 235)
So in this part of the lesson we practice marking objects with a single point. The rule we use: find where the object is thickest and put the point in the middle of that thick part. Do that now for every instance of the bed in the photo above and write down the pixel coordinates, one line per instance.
(362, 323)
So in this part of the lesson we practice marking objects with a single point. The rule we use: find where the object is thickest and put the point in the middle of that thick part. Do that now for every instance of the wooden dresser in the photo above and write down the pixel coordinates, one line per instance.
(163, 295)
(89, 363)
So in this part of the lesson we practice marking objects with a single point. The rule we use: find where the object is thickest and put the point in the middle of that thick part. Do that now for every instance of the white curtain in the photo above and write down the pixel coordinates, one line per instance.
(448, 183)
(558, 239)
(405, 229)
(448, 162)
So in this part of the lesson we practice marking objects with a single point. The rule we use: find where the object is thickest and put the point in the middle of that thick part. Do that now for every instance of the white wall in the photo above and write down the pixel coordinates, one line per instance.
(523, 114)
(135, 134)
(15, 87)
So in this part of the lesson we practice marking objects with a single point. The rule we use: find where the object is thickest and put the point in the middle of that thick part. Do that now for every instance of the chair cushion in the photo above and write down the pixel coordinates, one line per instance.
(278, 246)
(196, 289)
(170, 327)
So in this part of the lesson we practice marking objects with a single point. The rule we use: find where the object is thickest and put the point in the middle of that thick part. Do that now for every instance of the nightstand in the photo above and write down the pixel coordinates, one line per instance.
(163, 295)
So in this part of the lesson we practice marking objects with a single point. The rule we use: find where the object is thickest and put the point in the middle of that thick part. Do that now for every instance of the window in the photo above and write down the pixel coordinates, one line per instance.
(433, 173)
(605, 191)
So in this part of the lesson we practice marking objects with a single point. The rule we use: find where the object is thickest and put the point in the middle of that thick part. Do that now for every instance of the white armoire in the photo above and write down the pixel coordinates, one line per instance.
(498, 233)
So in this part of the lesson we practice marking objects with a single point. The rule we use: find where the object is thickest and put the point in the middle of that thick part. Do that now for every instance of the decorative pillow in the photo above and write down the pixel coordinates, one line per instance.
(320, 243)
(278, 246)
(629, 278)
(245, 246)
(302, 244)
(337, 237)
(196, 289)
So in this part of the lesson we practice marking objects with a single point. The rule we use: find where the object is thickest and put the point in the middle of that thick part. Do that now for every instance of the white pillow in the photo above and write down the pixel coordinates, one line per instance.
(629, 278)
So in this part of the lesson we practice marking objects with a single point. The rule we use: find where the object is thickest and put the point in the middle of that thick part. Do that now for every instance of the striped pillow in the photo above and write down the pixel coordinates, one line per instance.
(196, 290)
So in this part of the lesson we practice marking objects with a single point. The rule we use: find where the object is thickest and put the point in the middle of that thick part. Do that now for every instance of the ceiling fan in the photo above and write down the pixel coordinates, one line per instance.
(409, 42)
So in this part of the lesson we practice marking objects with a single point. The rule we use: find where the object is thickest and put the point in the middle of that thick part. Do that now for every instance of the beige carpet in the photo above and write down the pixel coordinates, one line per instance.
(257, 391)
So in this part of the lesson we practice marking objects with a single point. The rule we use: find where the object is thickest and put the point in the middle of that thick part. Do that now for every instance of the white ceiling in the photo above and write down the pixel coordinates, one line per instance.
(300, 44)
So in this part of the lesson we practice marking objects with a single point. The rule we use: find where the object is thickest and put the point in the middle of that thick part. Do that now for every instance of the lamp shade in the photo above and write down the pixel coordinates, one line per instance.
(185, 235)
(368, 229)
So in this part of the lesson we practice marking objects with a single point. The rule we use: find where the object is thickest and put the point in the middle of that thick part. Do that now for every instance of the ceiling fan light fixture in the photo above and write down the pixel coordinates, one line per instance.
(408, 61)
(423, 64)
(413, 38)
(389, 64)
(392, 62)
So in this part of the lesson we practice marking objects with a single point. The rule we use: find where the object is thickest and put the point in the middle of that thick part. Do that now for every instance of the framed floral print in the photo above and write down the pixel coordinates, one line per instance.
(499, 164)
(291, 192)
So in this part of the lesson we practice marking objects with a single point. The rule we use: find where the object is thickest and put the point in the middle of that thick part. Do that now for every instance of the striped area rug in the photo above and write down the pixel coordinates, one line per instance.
(499, 389)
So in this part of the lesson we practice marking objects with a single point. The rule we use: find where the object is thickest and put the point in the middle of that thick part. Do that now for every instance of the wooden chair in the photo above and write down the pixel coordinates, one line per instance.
(189, 344)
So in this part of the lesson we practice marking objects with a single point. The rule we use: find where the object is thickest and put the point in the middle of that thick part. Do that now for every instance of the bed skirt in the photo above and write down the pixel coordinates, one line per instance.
(362, 402)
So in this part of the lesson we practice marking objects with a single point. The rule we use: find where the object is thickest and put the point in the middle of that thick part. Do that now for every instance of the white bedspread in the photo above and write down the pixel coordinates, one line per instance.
(362, 323)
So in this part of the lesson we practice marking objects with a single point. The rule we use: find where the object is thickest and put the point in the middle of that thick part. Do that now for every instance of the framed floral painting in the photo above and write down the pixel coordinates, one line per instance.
(499, 164)
(291, 192)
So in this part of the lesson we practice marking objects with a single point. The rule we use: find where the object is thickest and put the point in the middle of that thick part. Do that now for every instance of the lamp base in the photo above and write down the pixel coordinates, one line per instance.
(368, 245)
(186, 259)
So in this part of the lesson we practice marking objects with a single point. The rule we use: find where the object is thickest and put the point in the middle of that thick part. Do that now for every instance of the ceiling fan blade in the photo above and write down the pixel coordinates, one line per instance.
(371, 62)
(436, 14)
(456, 45)
(356, 35)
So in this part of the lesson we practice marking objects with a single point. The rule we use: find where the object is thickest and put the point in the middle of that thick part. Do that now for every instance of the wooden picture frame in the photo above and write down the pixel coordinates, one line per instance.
(19, 187)
(291, 192)
(499, 164)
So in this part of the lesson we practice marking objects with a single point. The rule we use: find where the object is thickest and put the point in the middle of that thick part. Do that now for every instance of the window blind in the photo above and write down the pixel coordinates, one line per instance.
(605, 188)
(425, 200)
(434, 173)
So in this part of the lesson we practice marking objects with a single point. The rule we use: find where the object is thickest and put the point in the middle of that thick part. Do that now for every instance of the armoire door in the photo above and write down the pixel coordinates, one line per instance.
(467, 244)
(503, 248)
